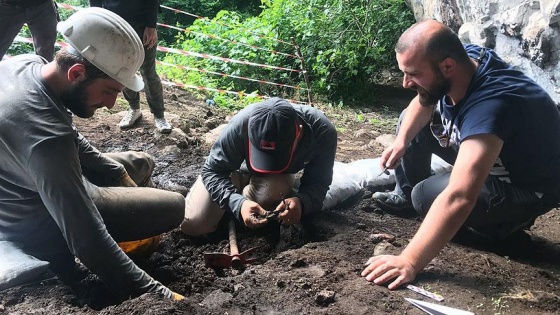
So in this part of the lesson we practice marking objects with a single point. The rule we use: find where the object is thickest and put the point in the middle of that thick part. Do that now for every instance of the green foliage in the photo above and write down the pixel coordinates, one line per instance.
(203, 8)
(345, 44)
(233, 27)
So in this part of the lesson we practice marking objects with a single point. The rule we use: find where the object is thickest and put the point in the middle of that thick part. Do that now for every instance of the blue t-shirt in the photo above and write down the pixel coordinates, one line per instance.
(505, 102)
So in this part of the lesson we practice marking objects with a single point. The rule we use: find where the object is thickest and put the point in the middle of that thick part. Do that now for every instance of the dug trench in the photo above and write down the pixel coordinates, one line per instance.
(312, 268)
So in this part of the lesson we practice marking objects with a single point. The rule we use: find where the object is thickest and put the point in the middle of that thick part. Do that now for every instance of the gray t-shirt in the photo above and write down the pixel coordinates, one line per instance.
(41, 187)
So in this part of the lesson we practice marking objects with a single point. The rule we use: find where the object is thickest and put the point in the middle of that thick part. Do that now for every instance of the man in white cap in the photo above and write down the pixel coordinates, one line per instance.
(251, 168)
(59, 196)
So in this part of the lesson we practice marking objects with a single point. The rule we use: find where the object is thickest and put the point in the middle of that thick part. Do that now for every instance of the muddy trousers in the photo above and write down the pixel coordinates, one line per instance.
(501, 208)
(152, 81)
(202, 215)
(41, 20)
(129, 213)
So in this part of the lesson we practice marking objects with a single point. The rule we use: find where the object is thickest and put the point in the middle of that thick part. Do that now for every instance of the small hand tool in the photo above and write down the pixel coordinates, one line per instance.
(234, 259)
(436, 309)
(384, 171)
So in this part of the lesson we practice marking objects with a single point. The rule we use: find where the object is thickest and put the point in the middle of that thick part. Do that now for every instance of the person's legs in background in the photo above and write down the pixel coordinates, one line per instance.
(42, 20)
(12, 18)
(153, 90)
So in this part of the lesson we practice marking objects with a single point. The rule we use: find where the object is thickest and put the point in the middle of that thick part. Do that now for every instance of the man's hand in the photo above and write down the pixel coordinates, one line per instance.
(125, 181)
(391, 157)
(150, 37)
(381, 269)
(292, 211)
(252, 214)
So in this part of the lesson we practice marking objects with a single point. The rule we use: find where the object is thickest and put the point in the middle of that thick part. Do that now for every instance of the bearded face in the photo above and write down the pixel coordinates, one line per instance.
(430, 95)
(76, 100)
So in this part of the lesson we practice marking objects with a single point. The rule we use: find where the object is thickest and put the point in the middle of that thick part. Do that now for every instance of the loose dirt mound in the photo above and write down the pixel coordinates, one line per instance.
(309, 269)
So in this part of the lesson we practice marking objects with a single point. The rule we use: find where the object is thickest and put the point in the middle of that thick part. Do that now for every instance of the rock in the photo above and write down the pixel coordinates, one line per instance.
(183, 144)
(362, 133)
(385, 248)
(213, 134)
(212, 122)
(238, 287)
(385, 140)
(361, 226)
(378, 237)
(216, 299)
(325, 297)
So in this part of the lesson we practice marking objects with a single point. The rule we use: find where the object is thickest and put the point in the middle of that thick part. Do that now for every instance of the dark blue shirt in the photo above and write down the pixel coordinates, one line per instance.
(503, 101)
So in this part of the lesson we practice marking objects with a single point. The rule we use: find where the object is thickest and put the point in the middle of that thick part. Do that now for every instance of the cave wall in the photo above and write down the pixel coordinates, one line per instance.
(524, 33)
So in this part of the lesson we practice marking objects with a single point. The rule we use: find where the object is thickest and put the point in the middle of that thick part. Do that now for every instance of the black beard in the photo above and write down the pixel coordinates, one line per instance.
(75, 100)
(436, 92)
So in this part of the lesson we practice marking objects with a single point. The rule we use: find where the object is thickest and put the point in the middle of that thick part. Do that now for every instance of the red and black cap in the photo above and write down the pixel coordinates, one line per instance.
(272, 132)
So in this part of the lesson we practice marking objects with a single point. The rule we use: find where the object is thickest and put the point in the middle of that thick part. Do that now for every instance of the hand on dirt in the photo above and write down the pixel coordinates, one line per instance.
(252, 214)
(177, 296)
(383, 268)
(125, 181)
(292, 211)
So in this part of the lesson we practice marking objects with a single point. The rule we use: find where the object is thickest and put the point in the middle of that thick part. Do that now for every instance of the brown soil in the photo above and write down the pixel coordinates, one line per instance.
(310, 269)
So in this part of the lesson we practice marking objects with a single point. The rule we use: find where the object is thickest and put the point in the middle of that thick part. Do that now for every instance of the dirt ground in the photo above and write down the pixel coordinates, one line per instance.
(312, 268)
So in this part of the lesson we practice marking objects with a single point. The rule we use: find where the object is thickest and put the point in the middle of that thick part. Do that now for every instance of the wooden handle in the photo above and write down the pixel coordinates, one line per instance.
(232, 239)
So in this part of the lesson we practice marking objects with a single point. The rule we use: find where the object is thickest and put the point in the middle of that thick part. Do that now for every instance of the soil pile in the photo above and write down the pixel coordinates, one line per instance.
(312, 268)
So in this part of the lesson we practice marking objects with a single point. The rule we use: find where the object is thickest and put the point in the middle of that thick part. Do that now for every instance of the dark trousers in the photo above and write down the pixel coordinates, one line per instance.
(129, 213)
(501, 208)
(152, 81)
(133, 213)
(41, 20)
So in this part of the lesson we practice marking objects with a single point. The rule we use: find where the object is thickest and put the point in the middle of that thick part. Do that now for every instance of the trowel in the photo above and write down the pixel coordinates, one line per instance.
(436, 309)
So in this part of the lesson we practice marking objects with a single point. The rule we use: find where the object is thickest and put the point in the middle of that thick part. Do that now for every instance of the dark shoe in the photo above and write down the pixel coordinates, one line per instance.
(391, 201)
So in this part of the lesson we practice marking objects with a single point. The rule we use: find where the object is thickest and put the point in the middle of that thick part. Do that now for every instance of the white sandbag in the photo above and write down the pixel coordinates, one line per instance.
(367, 172)
(350, 178)
(17, 267)
(342, 186)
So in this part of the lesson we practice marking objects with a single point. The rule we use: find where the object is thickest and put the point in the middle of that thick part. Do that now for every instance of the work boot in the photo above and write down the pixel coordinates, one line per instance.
(130, 118)
(392, 201)
(162, 125)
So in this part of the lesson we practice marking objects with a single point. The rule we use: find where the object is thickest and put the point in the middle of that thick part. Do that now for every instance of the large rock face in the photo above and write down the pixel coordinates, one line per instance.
(525, 33)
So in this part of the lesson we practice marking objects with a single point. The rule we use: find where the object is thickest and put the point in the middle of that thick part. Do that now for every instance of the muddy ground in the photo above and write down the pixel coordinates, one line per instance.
(309, 269)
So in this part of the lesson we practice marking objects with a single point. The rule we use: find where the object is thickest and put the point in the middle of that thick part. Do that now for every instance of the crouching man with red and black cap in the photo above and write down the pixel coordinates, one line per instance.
(251, 168)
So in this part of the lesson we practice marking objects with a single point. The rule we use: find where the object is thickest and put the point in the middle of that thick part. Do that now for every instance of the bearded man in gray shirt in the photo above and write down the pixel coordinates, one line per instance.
(59, 196)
